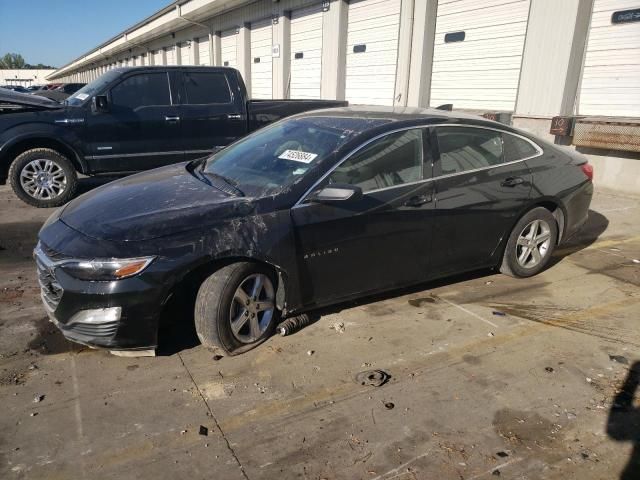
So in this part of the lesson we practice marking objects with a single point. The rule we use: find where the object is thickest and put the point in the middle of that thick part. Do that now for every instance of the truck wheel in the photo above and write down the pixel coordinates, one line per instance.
(530, 244)
(235, 308)
(43, 178)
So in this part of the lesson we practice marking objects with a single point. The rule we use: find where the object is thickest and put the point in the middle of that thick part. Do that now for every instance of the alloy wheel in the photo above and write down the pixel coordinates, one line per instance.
(252, 308)
(533, 244)
(43, 179)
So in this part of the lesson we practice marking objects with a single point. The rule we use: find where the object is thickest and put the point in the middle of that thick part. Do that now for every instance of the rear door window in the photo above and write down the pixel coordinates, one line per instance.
(516, 148)
(463, 149)
(144, 90)
(393, 160)
(203, 88)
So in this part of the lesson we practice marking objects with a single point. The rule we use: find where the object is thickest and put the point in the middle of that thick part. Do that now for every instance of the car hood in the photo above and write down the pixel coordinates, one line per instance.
(153, 204)
(9, 97)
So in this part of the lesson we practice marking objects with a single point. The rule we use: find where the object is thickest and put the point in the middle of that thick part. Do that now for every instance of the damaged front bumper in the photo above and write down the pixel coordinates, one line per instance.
(115, 315)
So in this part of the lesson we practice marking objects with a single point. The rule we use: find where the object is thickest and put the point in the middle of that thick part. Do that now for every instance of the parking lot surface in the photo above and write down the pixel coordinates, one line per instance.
(491, 377)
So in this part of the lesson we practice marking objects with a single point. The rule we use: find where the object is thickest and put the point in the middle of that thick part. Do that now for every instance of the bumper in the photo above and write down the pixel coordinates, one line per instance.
(120, 314)
(577, 210)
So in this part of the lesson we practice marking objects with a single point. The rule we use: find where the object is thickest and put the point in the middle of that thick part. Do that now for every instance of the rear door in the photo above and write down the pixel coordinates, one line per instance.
(379, 241)
(210, 115)
(482, 184)
(141, 130)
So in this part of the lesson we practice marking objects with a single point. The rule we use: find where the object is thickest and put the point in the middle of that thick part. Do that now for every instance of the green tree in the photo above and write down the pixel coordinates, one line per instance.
(12, 60)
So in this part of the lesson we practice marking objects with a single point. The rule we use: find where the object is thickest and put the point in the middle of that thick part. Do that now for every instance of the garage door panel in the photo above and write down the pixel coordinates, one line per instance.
(229, 48)
(486, 33)
(203, 51)
(306, 41)
(609, 84)
(483, 70)
(261, 49)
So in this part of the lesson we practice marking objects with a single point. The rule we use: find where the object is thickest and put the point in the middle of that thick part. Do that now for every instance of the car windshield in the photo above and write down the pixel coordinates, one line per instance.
(92, 88)
(272, 158)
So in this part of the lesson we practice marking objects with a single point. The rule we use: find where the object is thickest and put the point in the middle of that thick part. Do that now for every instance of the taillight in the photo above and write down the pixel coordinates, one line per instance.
(587, 169)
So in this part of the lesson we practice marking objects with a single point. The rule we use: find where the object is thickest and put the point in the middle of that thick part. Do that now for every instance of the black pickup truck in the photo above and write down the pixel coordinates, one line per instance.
(127, 120)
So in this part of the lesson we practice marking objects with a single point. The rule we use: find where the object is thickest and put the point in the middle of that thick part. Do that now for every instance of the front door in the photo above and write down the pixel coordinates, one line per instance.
(379, 241)
(141, 130)
(481, 185)
(211, 116)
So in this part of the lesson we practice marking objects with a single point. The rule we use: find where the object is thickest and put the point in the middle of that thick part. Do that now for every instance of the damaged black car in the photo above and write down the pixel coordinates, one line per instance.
(316, 209)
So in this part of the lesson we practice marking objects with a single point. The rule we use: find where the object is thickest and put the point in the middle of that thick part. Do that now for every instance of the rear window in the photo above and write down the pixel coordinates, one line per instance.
(204, 88)
(516, 148)
(463, 149)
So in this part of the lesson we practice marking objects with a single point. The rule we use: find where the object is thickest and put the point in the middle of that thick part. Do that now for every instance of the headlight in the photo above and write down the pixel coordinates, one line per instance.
(112, 269)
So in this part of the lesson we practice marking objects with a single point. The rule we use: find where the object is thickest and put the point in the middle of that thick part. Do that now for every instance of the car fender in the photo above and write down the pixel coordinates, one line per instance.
(45, 133)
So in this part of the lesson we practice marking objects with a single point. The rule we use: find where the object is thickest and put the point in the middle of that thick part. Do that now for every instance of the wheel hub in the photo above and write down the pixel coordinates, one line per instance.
(533, 244)
(252, 308)
(43, 179)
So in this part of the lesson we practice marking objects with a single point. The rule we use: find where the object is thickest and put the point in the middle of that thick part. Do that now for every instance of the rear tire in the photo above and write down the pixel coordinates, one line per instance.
(235, 308)
(43, 177)
(530, 244)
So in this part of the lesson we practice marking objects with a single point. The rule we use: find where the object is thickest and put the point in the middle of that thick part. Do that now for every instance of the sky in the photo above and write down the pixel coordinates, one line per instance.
(54, 32)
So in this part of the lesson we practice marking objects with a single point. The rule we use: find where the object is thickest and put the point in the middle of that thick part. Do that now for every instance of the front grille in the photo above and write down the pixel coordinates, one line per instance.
(50, 289)
(94, 330)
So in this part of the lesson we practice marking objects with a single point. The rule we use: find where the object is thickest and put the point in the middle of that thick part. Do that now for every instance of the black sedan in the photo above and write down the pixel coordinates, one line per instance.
(313, 210)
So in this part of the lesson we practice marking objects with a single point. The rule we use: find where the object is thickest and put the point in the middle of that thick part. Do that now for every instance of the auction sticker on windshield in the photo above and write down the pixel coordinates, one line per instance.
(298, 156)
(81, 96)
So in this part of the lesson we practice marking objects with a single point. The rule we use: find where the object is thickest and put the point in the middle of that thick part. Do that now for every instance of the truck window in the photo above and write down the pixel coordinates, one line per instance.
(141, 91)
(204, 88)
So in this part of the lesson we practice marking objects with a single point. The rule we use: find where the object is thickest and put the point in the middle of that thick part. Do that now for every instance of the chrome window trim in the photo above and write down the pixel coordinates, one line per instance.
(540, 151)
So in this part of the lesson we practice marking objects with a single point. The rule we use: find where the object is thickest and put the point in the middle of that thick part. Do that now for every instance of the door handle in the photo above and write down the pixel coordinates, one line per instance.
(172, 119)
(512, 181)
(418, 200)
(234, 116)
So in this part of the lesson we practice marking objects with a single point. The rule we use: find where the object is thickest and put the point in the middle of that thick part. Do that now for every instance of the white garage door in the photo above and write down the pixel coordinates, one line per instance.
(372, 51)
(170, 53)
(306, 53)
(611, 75)
(261, 65)
(229, 48)
(157, 57)
(185, 54)
(203, 51)
(478, 53)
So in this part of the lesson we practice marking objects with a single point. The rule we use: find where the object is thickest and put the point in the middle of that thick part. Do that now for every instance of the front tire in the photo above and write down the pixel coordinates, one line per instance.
(43, 177)
(530, 244)
(235, 308)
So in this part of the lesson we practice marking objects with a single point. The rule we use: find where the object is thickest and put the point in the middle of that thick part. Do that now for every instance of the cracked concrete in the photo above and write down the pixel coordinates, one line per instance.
(528, 394)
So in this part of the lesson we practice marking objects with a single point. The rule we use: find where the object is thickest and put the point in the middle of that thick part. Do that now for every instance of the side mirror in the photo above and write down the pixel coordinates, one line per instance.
(337, 192)
(100, 103)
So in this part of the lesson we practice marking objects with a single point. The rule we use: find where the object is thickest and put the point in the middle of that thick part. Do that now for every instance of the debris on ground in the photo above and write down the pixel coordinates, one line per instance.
(619, 359)
(203, 430)
(496, 473)
(488, 282)
(373, 378)
(217, 358)
(182, 432)
(389, 405)
(491, 334)
(502, 454)
(549, 369)
(338, 327)
(293, 324)
(310, 352)
(498, 313)
(33, 414)
(635, 260)
(38, 398)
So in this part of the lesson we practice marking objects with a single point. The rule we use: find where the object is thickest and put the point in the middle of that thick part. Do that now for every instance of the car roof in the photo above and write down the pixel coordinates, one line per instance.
(365, 117)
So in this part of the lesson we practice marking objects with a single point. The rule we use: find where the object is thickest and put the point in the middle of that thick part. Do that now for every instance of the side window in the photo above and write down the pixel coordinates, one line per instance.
(463, 149)
(206, 88)
(141, 91)
(392, 160)
(516, 148)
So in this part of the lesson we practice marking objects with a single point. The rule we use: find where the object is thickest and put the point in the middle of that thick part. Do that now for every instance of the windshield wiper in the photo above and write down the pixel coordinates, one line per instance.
(235, 189)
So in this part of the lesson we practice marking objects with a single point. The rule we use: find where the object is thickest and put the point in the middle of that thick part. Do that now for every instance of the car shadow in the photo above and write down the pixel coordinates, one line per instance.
(623, 424)
(595, 226)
